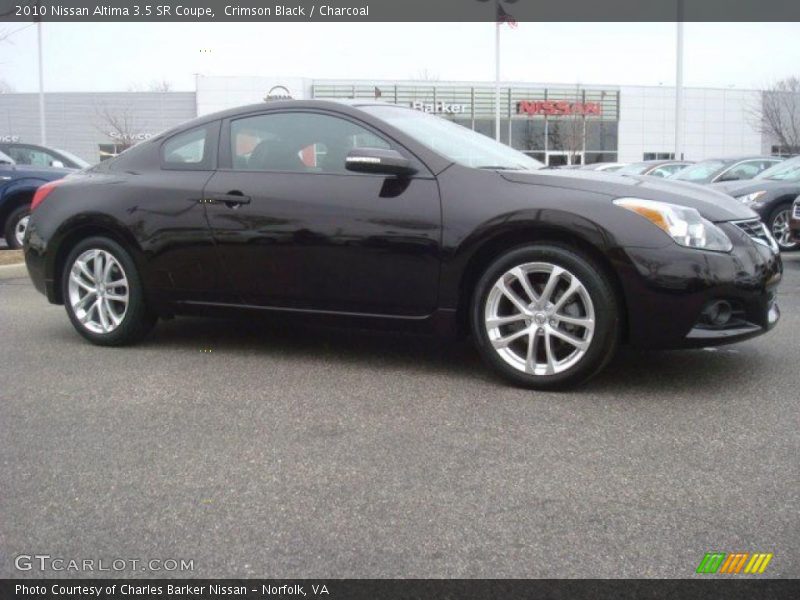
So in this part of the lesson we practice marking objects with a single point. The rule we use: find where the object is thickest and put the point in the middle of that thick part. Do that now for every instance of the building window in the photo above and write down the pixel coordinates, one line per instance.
(110, 150)
(600, 157)
(658, 156)
(785, 150)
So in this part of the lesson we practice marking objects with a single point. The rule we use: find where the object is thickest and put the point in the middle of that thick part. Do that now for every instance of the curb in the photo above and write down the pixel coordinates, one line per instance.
(13, 271)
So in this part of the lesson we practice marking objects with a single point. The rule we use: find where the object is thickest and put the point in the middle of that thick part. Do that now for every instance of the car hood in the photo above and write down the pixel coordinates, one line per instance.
(740, 188)
(712, 204)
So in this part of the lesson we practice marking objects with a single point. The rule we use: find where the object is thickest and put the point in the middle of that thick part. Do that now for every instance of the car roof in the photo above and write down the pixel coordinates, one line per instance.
(336, 104)
(660, 162)
(740, 158)
(348, 107)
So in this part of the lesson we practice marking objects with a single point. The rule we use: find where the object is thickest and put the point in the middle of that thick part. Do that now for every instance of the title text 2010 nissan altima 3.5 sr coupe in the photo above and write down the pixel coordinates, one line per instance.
(381, 214)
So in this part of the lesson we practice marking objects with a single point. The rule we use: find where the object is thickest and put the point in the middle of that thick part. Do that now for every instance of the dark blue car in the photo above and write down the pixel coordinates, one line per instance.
(17, 185)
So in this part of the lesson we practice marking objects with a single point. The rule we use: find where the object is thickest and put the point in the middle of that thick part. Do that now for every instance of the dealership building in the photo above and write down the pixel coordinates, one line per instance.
(555, 123)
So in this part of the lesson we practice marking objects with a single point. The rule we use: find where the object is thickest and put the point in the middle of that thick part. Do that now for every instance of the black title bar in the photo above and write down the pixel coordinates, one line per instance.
(398, 10)
(396, 589)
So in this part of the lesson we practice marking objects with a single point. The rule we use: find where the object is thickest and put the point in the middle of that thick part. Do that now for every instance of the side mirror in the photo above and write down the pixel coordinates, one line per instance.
(378, 160)
(57, 164)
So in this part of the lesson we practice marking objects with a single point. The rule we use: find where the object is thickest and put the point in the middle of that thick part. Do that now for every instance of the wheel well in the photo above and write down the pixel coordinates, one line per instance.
(780, 202)
(493, 248)
(70, 241)
(12, 202)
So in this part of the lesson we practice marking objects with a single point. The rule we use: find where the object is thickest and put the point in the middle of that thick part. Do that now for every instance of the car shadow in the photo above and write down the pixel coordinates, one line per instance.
(297, 339)
(630, 371)
(679, 372)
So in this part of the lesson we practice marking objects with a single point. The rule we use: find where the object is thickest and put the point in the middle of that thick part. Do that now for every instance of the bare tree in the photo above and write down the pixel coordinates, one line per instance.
(160, 85)
(426, 75)
(119, 125)
(777, 116)
(568, 132)
(5, 87)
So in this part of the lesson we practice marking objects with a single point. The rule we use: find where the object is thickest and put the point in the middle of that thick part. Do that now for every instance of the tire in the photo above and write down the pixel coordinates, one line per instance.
(16, 225)
(113, 321)
(778, 224)
(496, 319)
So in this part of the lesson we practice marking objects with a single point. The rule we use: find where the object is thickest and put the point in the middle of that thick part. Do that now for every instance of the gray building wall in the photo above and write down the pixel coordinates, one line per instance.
(79, 122)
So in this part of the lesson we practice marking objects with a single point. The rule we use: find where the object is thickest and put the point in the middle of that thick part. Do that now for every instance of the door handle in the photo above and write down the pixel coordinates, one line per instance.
(232, 199)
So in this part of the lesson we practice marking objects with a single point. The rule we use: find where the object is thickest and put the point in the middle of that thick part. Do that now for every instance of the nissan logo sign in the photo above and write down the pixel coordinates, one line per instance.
(277, 92)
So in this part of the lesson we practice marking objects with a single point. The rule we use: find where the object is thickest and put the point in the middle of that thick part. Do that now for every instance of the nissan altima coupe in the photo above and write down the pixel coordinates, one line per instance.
(372, 215)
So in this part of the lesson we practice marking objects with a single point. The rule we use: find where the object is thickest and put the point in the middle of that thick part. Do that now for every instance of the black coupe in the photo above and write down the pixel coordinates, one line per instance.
(376, 214)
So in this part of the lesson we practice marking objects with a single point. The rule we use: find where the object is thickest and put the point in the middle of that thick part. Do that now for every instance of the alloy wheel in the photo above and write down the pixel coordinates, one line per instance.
(781, 231)
(98, 291)
(539, 318)
(20, 229)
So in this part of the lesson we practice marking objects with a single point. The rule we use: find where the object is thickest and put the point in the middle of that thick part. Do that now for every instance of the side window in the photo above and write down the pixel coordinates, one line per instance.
(31, 156)
(746, 170)
(189, 150)
(297, 142)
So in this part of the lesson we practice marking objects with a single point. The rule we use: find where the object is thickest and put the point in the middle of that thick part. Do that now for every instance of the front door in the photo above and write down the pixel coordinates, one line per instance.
(296, 230)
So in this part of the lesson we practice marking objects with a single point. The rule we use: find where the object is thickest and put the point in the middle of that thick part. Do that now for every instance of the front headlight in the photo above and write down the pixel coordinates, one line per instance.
(750, 199)
(684, 225)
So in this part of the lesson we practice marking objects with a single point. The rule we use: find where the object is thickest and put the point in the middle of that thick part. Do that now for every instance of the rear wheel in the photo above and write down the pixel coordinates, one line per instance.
(779, 226)
(16, 226)
(545, 316)
(103, 293)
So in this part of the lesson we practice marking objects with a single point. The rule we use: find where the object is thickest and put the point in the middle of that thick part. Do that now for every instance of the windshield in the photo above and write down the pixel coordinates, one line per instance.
(76, 159)
(453, 141)
(785, 171)
(702, 172)
(5, 159)
(634, 168)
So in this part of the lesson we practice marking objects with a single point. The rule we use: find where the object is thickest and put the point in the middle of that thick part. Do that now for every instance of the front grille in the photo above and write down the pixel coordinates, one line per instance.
(757, 231)
(796, 210)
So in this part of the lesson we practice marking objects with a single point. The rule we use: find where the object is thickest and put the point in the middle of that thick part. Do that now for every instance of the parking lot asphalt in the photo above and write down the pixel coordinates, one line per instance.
(266, 451)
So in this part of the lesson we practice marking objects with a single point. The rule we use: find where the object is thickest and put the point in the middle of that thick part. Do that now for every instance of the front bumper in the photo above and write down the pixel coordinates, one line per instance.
(668, 292)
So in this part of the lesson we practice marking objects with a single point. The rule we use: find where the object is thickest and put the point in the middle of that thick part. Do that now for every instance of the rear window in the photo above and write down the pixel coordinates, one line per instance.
(190, 150)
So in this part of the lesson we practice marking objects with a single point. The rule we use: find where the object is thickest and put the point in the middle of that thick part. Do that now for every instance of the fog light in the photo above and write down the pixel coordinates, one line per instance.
(718, 313)
(774, 313)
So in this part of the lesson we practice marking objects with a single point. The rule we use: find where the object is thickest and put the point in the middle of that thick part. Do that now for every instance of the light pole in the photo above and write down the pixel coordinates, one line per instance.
(497, 80)
(501, 16)
(42, 127)
(679, 85)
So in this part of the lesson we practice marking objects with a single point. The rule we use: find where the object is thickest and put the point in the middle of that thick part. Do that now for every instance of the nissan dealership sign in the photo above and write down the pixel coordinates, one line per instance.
(557, 107)
(440, 108)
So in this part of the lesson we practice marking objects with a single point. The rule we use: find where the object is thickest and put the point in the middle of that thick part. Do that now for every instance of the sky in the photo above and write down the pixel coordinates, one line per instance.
(126, 56)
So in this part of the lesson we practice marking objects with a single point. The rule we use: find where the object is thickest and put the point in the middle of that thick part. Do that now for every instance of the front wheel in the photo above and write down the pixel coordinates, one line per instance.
(545, 316)
(16, 226)
(779, 226)
(103, 293)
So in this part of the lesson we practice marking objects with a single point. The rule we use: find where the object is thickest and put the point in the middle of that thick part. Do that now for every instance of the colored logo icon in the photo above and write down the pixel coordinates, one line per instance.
(734, 563)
